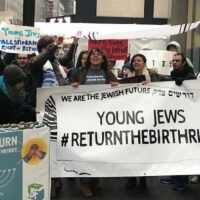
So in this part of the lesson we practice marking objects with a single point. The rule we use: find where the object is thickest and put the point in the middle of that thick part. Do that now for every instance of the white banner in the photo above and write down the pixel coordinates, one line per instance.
(18, 39)
(130, 130)
(159, 59)
(113, 31)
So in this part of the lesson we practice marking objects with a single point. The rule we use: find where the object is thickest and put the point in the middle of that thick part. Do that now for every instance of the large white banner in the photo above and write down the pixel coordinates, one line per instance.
(113, 31)
(129, 130)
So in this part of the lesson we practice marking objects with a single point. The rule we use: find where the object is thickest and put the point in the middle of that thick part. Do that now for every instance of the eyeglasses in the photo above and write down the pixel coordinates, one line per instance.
(22, 58)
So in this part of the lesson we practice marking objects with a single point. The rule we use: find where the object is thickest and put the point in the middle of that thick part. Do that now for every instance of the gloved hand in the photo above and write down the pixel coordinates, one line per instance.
(179, 81)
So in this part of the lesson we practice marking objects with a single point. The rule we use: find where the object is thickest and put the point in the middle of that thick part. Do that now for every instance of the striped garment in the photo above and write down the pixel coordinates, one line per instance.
(50, 118)
(49, 78)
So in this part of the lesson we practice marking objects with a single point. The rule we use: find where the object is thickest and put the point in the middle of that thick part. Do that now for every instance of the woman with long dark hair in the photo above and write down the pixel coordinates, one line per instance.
(94, 72)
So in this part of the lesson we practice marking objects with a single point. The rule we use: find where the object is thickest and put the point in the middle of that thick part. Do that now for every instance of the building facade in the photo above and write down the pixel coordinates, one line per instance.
(187, 11)
(120, 12)
(48, 8)
(126, 11)
(12, 9)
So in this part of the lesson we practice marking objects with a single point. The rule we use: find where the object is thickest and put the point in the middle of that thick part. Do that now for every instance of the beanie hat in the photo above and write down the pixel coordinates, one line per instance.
(127, 66)
(13, 74)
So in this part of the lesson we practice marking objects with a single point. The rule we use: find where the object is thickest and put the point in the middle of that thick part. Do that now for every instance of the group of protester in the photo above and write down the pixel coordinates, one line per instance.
(22, 75)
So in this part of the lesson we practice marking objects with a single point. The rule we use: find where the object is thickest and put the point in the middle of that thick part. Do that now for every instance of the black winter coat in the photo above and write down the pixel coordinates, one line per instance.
(10, 113)
(184, 73)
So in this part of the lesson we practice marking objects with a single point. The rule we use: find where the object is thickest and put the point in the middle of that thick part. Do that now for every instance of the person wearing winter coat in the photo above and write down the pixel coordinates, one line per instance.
(181, 70)
(2, 64)
(140, 73)
(22, 61)
(46, 68)
(137, 71)
(94, 72)
(176, 47)
(13, 108)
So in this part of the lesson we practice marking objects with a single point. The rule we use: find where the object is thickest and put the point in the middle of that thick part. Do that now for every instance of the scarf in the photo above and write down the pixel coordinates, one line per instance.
(144, 72)
(49, 75)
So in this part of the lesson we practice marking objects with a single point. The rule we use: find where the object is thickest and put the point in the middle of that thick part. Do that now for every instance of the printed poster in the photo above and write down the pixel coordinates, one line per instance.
(24, 168)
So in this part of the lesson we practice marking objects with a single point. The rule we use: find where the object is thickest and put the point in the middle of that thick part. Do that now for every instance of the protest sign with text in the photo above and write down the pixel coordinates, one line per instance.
(159, 60)
(165, 131)
(18, 39)
(113, 49)
(135, 128)
(24, 158)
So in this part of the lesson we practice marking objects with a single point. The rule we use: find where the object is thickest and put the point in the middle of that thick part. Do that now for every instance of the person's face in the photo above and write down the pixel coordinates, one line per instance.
(96, 58)
(84, 58)
(110, 65)
(172, 48)
(125, 71)
(177, 62)
(22, 60)
(138, 63)
(18, 86)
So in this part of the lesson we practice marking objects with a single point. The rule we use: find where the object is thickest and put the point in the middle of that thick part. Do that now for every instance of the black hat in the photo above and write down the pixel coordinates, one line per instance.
(13, 74)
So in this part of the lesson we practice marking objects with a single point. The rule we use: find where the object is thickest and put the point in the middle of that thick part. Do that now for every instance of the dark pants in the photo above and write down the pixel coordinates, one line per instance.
(89, 180)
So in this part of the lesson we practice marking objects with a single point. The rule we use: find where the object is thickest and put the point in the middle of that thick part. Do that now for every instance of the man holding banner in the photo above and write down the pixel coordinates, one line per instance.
(181, 71)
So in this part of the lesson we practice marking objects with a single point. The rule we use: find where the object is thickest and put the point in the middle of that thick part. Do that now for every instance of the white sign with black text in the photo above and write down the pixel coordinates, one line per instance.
(130, 130)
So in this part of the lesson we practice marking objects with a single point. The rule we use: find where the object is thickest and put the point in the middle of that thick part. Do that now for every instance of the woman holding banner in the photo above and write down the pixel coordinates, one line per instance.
(137, 72)
(82, 57)
(94, 72)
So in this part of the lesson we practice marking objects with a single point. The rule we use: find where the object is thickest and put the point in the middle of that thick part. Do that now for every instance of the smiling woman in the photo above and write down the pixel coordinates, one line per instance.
(138, 68)
(96, 59)
(94, 72)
